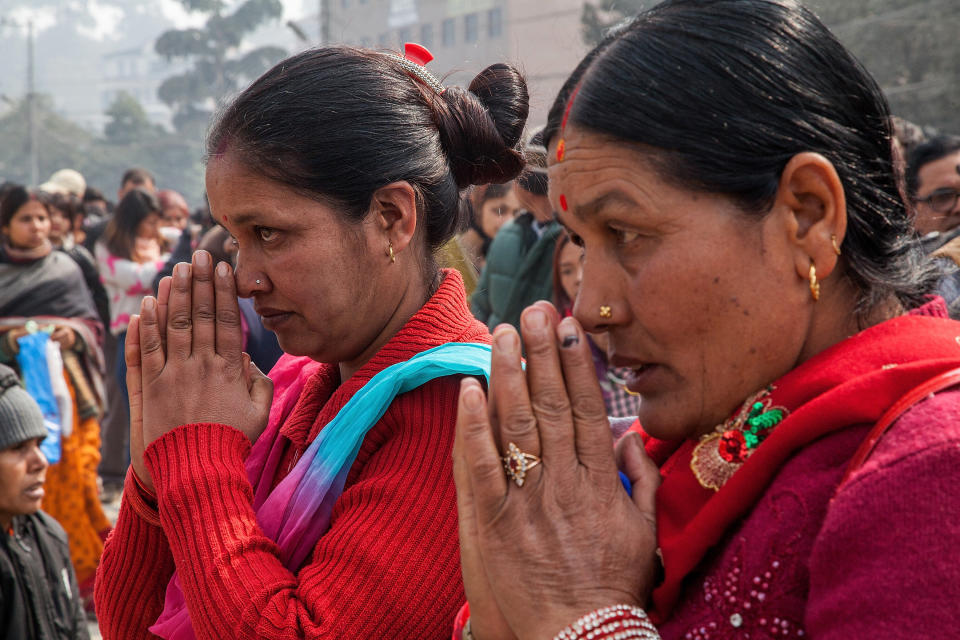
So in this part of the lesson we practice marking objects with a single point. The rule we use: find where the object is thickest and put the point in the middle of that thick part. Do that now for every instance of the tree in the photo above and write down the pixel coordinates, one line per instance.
(217, 70)
(911, 47)
(128, 121)
(597, 19)
(175, 160)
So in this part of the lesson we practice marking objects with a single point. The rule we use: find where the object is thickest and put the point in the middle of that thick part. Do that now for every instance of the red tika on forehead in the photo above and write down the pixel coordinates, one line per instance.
(563, 202)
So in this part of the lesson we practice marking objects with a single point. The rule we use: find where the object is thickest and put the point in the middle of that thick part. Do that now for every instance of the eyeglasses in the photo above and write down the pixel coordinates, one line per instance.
(941, 200)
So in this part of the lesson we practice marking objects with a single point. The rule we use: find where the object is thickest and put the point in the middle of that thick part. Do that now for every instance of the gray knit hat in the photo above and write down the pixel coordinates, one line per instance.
(20, 417)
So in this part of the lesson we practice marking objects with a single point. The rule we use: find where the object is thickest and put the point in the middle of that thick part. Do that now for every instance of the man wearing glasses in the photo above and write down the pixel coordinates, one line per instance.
(933, 181)
(933, 184)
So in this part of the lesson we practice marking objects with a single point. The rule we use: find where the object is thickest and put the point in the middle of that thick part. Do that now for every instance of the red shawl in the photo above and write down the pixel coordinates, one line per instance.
(851, 383)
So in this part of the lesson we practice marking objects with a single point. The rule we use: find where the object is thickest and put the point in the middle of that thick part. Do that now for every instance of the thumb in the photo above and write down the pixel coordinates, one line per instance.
(259, 385)
(634, 462)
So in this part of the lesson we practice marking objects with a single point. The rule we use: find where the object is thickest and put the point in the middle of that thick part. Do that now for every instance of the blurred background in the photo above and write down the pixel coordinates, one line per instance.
(101, 85)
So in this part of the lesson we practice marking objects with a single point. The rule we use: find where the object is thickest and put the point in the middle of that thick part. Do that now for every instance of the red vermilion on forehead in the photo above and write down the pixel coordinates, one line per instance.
(566, 112)
(561, 149)
(563, 202)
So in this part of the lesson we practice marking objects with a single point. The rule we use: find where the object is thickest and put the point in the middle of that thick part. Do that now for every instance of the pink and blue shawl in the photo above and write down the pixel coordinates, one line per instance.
(297, 512)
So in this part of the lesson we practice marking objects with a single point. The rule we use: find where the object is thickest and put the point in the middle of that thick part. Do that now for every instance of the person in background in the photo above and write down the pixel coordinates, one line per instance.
(116, 426)
(129, 256)
(44, 287)
(489, 207)
(567, 275)
(63, 210)
(749, 252)
(136, 178)
(96, 211)
(933, 185)
(174, 211)
(39, 596)
(337, 208)
(519, 268)
(492, 206)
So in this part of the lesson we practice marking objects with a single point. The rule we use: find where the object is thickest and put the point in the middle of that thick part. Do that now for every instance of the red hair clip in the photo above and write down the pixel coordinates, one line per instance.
(414, 58)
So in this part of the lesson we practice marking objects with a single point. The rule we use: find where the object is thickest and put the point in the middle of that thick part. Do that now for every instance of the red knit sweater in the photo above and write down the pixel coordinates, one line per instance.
(389, 565)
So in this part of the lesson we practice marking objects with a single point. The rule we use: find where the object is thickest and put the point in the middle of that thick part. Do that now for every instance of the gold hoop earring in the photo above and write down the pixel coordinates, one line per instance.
(393, 257)
(605, 311)
(814, 285)
(836, 247)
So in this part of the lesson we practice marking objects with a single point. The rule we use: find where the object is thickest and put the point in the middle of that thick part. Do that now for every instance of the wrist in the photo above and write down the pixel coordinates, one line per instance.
(617, 621)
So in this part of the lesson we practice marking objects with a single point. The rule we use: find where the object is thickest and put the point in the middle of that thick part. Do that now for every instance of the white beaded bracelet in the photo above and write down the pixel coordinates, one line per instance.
(619, 622)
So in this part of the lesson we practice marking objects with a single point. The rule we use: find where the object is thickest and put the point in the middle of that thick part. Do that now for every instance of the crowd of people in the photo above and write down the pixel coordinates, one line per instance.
(693, 345)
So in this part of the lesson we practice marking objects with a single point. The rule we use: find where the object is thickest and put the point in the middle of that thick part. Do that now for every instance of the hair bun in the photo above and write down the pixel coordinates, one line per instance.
(481, 127)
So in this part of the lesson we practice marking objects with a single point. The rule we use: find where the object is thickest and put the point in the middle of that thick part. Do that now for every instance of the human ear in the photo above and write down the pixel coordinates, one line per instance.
(395, 208)
(811, 195)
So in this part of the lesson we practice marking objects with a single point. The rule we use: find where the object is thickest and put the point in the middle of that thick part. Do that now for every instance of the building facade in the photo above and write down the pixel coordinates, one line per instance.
(541, 37)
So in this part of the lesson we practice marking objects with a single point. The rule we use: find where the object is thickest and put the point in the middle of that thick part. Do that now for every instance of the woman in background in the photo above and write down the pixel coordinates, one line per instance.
(43, 287)
(129, 256)
(567, 275)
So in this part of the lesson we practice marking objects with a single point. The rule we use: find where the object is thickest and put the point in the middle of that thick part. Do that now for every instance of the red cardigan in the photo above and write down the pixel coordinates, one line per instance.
(388, 567)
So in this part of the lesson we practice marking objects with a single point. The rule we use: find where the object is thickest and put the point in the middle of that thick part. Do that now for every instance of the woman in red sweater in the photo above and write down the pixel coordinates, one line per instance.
(331, 513)
(727, 166)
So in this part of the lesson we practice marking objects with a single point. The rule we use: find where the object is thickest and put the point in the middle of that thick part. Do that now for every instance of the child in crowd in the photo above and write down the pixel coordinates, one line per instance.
(39, 596)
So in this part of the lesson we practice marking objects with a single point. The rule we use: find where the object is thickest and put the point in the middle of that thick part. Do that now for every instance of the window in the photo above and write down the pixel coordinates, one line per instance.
(471, 27)
(449, 35)
(405, 35)
(345, 4)
(426, 35)
(495, 22)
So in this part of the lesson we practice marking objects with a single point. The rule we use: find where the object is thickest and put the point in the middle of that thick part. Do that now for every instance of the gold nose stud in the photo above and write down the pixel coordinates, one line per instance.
(605, 311)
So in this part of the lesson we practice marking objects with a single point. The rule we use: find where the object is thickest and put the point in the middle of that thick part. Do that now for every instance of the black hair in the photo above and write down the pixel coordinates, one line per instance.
(15, 197)
(925, 153)
(725, 92)
(534, 178)
(121, 231)
(138, 177)
(92, 194)
(337, 123)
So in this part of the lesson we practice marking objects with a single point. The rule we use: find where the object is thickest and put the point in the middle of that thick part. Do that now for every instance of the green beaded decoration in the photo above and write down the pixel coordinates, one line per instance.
(760, 421)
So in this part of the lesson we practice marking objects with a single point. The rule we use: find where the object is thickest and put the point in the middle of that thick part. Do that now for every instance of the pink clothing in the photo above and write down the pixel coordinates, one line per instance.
(126, 282)
(879, 561)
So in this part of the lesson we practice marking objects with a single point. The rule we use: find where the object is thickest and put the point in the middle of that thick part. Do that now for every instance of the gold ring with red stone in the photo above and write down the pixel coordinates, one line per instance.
(516, 463)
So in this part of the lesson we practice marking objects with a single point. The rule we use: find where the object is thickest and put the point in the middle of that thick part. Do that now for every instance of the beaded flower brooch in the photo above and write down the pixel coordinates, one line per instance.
(720, 453)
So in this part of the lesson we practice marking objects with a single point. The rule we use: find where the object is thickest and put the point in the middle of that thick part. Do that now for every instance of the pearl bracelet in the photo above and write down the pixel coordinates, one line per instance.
(618, 622)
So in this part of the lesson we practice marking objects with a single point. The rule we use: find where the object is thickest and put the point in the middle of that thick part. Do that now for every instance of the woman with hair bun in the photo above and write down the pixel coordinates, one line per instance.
(727, 167)
(320, 504)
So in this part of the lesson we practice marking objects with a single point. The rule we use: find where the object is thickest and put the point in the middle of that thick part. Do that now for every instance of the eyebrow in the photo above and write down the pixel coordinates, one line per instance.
(244, 218)
(591, 208)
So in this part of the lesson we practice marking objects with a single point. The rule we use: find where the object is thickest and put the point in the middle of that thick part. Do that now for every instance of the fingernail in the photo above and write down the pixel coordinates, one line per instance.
(506, 340)
(472, 397)
(182, 270)
(222, 269)
(535, 319)
(149, 303)
(567, 331)
(201, 258)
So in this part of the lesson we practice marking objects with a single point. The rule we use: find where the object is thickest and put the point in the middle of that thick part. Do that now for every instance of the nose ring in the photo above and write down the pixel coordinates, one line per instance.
(258, 282)
(605, 311)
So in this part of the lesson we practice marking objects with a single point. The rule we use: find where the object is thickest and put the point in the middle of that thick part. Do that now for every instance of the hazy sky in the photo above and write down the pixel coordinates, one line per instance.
(105, 16)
